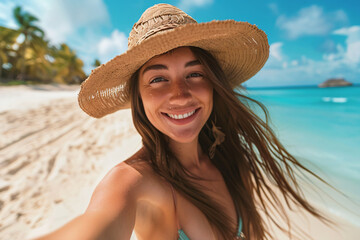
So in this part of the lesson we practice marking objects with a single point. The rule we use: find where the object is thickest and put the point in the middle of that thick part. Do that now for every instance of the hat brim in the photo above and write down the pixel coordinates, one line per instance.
(240, 48)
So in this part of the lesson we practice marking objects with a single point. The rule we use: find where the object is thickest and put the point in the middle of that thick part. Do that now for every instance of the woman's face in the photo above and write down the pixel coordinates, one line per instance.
(176, 94)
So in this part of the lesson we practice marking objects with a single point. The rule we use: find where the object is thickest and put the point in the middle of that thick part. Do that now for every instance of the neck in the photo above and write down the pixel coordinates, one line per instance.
(189, 154)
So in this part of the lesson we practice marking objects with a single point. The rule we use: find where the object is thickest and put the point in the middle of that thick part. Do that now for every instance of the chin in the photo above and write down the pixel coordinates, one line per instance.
(184, 138)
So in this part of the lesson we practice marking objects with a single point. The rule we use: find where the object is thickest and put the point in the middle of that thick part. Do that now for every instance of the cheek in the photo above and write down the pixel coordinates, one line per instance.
(208, 96)
(151, 103)
(205, 92)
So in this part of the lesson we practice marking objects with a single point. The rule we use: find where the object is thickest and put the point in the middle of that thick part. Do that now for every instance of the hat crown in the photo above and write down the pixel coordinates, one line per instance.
(158, 18)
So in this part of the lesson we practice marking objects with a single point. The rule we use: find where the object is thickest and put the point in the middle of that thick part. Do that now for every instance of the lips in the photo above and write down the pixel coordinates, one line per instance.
(182, 118)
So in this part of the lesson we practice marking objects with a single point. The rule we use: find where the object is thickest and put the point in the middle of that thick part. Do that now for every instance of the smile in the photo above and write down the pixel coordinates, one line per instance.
(181, 116)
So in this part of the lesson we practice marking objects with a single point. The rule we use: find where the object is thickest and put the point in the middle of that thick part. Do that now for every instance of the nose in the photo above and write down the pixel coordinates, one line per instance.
(180, 93)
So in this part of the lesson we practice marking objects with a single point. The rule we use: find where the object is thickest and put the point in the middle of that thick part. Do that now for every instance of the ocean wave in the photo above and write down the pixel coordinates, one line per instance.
(335, 99)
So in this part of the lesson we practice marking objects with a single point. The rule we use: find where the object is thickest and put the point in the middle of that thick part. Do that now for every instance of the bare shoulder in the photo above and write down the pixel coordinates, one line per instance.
(135, 196)
(124, 183)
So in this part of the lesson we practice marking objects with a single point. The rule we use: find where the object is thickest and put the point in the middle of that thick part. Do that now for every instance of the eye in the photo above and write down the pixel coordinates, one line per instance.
(194, 75)
(157, 79)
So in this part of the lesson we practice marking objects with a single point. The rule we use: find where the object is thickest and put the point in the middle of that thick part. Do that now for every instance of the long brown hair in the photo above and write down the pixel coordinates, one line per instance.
(251, 158)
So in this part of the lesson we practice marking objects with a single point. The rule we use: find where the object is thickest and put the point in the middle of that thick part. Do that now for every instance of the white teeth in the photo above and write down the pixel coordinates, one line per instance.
(181, 116)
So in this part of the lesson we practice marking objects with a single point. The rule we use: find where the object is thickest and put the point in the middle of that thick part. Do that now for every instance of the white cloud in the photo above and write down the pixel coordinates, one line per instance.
(294, 62)
(277, 59)
(60, 19)
(306, 72)
(112, 46)
(337, 55)
(311, 21)
(276, 51)
(352, 52)
(343, 62)
(185, 5)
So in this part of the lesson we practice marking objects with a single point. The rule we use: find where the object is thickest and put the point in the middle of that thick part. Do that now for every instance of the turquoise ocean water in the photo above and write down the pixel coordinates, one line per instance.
(321, 127)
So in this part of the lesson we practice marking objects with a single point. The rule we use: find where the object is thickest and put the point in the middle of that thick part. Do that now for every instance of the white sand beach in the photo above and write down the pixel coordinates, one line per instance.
(52, 155)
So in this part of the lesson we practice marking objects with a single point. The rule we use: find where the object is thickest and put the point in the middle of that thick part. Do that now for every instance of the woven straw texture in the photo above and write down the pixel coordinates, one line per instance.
(240, 48)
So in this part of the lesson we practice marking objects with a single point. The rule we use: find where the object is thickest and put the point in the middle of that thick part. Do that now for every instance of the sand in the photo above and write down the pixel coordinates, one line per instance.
(52, 155)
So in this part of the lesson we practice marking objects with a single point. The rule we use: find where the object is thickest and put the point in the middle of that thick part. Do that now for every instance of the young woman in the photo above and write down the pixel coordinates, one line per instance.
(209, 167)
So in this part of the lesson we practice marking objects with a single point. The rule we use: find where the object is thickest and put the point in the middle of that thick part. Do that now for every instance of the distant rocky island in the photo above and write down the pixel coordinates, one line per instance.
(335, 82)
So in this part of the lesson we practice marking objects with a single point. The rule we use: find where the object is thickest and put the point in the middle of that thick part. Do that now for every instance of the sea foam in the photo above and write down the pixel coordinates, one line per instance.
(335, 99)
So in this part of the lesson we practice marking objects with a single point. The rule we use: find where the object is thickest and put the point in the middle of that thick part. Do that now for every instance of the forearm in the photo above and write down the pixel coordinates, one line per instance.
(91, 226)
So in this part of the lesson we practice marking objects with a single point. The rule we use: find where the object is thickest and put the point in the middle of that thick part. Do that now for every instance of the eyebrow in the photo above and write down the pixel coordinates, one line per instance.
(161, 66)
(192, 63)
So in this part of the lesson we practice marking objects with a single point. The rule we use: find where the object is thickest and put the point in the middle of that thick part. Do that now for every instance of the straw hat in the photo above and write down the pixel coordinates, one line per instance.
(240, 48)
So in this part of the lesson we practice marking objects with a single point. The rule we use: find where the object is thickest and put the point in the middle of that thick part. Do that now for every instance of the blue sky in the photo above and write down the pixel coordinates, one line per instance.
(310, 41)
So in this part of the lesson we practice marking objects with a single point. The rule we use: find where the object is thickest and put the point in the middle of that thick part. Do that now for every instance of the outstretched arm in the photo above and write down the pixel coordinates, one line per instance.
(111, 212)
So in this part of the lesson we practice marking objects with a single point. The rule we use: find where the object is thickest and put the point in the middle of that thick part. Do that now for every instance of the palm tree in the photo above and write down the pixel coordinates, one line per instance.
(38, 60)
(30, 31)
(68, 66)
(96, 63)
(7, 42)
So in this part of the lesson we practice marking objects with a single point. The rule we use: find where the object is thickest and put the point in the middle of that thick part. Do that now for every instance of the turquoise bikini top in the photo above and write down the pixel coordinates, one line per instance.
(240, 235)
(182, 235)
